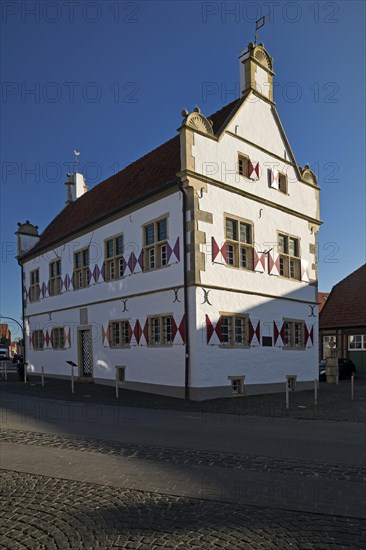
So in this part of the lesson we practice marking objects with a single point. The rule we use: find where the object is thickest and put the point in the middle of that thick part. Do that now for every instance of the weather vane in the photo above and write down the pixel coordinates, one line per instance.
(76, 159)
(258, 24)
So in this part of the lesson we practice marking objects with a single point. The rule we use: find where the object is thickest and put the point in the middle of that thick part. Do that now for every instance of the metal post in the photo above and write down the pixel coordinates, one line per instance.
(117, 382)
(25, 372)
(337, 379)
(352, 386)
(6, 372)
(316, 391)
(42, 376)
(2, 370)
(72, 378)
(287, 396)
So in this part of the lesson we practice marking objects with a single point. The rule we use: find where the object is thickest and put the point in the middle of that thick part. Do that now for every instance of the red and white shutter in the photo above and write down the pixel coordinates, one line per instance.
(278, 333)
(213, 334)
(254, 333)
(275, 179)
(259, 261)
(218, 254)
(273, 263)
(105, 336)
(253, 169)
(67, 337)
(309, 336)
(305, 271)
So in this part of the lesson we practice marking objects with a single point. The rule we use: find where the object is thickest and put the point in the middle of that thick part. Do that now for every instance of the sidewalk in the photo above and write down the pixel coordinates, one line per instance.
(334, 401)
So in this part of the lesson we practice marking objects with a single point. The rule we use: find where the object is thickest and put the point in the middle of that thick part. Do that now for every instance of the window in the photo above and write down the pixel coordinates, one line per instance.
(55, 278)
(294, 334)
(234, 330)
(114, 261)
(58, 338)
(81, 268)
(289, 252)
(237, 385)
(282, 183)
(155, 244)
(161, 331)
(38, 340)
(34, 290)
(243, 166)
(357, 342)
(119, 334)
(239, 243)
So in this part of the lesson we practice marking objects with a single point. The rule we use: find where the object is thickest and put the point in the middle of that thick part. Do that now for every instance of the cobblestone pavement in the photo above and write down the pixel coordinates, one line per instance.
(43, 513)
(192, 457)
(334, 401)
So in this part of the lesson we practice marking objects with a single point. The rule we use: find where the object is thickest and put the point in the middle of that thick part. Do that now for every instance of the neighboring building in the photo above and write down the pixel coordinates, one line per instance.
(5, 337)
(193, 267)
(322, 298)
(343, 319)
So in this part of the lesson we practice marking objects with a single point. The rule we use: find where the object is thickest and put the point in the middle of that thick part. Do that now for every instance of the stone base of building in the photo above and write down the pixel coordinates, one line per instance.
(205, 393)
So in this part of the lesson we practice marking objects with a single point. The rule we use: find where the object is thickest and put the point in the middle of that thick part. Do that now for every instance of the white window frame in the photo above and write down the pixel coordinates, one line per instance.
(362, 338)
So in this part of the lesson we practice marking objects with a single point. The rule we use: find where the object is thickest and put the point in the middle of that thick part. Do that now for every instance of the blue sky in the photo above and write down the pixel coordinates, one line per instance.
(111, 79)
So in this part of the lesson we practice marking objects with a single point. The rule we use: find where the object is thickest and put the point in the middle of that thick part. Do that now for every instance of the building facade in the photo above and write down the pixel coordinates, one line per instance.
(194, 269)
(342, 320)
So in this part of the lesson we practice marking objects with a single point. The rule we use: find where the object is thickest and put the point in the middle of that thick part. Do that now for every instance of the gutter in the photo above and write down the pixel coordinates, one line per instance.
(185, 290)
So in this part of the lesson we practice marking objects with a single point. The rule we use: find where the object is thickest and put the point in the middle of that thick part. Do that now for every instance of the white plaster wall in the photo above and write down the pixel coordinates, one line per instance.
(131, 227)
(266, 222)
(260, 365)
(155, 365)
(218, 160)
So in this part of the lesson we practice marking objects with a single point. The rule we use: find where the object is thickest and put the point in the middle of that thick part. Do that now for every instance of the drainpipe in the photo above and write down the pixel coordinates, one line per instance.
(185, 288)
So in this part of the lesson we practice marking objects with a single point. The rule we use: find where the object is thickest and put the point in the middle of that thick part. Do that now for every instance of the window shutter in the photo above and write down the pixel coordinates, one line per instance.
(278, 333)
(275, 179)
(253, 169)
(259, 259)
(209, 329)
(273, 263)
(305, 271)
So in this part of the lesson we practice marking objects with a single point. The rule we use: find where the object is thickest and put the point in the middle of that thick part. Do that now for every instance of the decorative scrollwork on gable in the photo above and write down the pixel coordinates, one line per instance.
(262, 57)
(197, 121)
(308, 175)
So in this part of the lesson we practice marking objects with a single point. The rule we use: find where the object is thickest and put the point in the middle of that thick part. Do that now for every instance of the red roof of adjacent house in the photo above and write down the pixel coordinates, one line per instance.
(346, 304)
(322, 298)
(147, 175)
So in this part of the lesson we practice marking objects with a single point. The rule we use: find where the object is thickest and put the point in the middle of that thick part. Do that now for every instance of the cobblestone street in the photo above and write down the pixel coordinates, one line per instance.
(44, 513)
(84, 471)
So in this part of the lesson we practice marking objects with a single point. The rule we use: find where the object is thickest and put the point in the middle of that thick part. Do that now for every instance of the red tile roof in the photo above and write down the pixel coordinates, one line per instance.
(322, 298)
(346, 304)
(147, 175)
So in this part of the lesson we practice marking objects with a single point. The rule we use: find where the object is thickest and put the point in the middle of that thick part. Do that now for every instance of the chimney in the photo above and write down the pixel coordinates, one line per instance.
(27, 237)
(75, 187)
(256, 72)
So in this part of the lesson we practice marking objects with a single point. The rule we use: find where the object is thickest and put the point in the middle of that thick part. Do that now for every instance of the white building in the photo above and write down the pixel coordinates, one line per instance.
(192, 268)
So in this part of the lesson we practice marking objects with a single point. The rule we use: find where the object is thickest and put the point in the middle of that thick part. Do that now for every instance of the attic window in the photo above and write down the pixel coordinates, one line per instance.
(243, 166)
(282, 183)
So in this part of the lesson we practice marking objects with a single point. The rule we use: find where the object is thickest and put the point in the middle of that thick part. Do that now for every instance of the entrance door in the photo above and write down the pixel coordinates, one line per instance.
(86, 354)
